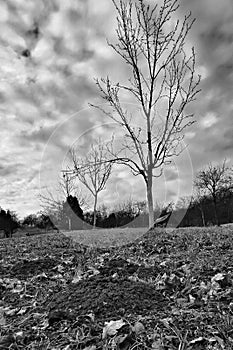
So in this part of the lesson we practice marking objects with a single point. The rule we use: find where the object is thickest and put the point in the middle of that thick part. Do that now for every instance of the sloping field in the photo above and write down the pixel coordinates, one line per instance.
(166, 290)
(106, 237)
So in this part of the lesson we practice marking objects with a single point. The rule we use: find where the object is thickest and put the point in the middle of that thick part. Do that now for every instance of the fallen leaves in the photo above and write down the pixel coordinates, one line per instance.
(111, 328)
(167, 290)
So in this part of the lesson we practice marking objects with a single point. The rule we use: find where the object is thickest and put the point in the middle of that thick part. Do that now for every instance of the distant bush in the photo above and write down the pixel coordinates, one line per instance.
(8, 222)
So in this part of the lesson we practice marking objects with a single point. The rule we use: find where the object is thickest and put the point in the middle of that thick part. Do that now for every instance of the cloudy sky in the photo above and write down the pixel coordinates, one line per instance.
(50, 53)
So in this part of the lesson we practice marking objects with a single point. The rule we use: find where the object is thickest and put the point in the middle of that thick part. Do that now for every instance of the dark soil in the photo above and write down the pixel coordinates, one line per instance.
(176, 287)
(109, 298)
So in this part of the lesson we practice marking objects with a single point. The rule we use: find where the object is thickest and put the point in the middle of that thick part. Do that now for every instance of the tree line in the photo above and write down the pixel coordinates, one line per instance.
(151, 40)
(210, 204)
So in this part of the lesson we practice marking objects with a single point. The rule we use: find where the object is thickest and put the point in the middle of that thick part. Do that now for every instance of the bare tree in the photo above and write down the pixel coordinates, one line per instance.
(198, 200)
(151, 41)
(212, 181)
(93, 170)
(69, 186)
(53, 203)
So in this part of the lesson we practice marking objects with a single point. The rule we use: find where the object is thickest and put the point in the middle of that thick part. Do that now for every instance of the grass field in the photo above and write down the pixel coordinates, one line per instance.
(106, 237)
(167, 289)
(120, 236)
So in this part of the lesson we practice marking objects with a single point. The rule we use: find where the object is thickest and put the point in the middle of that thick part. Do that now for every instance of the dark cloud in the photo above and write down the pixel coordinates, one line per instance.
(224, 143)
(40, 93)
(170, 174)
(171, 194)
(212, 35)
(7, 169)
(40, 135)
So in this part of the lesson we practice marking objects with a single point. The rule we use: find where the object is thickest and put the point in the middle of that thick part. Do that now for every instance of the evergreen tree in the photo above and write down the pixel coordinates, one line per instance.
(8, 222)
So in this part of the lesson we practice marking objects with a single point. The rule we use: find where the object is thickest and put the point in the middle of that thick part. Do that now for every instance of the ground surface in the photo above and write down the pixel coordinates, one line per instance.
(106, 237)
(168, 289)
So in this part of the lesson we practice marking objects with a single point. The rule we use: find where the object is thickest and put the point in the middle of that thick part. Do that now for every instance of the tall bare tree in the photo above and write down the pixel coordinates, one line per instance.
(93, 170)
(212, 181)
(152, 42)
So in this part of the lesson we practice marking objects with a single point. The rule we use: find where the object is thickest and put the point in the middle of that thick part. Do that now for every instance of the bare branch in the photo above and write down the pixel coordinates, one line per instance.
(152, 42)
(94, 169)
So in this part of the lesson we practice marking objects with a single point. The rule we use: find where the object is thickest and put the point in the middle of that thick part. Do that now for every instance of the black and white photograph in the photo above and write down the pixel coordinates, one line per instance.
(116, 174)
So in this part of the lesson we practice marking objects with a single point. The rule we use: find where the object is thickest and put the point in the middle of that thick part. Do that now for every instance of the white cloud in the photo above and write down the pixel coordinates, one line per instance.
(203, 71)
(70, 51)
(190, 134)
(209, 120)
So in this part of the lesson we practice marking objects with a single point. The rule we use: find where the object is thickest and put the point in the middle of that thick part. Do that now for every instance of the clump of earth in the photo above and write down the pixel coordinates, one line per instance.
(109, 298)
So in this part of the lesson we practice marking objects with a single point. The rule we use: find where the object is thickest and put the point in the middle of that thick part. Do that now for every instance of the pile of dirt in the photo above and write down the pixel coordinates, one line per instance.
(109, 298)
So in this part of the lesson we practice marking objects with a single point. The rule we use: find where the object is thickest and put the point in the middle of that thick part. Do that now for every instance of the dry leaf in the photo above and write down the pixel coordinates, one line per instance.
(157, 345)
(78, 276)
(191, 299)
(22, 311)
(2, 318)
(197, 340)
(112, 327)
(218, 277)
(11, 312)
(123, 341)
(138, 328)
(91, 347)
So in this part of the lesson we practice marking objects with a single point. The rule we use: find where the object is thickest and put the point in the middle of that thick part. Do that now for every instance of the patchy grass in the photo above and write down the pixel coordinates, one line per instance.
(168, 289)
(106, 237)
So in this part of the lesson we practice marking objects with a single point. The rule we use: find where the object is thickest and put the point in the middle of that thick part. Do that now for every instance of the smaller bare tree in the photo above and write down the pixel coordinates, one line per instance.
(93, 170)
(198, 199)
(50, 203)
(69, 186)
(212, 181)
(53, 204)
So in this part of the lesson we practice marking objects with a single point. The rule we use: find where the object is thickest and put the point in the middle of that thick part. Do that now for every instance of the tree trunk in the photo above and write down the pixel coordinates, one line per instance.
(69, 224)
(150, 202)
(215, 212)
(7, 233)
(202, 216)
(150, 174)
(229, 210)
(94, 213)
